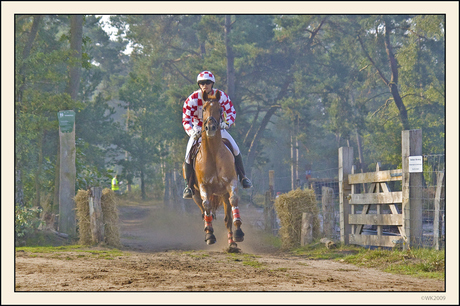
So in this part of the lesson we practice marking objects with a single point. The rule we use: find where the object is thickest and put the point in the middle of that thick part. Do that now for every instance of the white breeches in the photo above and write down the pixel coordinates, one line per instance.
(225, 134)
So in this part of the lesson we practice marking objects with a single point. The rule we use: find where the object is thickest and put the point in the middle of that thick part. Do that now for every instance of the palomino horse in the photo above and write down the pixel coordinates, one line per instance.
(216, 179)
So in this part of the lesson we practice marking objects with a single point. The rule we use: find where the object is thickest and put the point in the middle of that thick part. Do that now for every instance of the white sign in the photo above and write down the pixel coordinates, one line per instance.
(415, 164)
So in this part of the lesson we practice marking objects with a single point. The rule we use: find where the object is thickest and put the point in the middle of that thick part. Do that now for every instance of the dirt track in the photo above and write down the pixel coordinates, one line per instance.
(167, 252)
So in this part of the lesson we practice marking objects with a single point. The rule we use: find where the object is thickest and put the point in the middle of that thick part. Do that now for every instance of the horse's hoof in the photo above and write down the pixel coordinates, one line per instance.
(239, 235)
(210, 238)
(233, 249)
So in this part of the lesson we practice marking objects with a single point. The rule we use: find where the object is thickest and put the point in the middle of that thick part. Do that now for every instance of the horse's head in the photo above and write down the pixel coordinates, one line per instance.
(211, 113)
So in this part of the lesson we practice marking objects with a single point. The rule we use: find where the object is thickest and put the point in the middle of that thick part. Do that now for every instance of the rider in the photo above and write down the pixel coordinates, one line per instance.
(192, 120)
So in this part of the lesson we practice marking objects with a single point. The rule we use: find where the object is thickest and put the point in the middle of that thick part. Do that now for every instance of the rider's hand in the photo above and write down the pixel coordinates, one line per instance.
(224, 125)
(196, 134)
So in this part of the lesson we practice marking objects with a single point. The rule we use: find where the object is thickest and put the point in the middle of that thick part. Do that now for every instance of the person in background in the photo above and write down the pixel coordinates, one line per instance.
(115, 186)
(192, 121)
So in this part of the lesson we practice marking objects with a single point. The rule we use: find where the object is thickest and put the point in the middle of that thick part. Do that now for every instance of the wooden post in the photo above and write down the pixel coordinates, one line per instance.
(271, 181)
(345, 165)
(411, 189)
(268, 207)
(269, 211)
(95, 215)
(437, 208)
(327, 201)
(306, 233)
(67, 174)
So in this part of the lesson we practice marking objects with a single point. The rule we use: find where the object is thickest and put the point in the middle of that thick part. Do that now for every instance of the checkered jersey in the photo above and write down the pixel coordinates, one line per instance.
(192, 115)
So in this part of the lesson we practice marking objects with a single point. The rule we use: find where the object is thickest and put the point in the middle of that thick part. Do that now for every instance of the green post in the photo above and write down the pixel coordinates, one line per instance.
(67, 173)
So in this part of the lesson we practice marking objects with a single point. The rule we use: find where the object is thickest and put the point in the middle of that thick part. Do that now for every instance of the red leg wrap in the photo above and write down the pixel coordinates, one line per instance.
(207, 222)
(230, 238)
(236, 214)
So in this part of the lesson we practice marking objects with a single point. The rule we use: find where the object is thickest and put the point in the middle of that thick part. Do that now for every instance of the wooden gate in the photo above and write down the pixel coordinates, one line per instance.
(408, 220)
(378, 194)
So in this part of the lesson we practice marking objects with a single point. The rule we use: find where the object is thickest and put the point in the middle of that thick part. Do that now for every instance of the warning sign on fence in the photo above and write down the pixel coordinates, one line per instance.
(415, 164)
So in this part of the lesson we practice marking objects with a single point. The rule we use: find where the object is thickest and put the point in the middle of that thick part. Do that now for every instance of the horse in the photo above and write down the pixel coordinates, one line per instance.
(216, 180)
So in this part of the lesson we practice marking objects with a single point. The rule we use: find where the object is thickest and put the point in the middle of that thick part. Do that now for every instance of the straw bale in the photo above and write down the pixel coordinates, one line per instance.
(289, 207)
(110, 218)
(84, 222)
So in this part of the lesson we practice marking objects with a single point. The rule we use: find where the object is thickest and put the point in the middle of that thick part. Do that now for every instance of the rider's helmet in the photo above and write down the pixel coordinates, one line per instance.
(205, 75)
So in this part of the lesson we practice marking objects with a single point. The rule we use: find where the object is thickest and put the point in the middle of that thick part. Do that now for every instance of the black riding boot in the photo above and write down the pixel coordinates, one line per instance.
(188, 173)
(240, 171)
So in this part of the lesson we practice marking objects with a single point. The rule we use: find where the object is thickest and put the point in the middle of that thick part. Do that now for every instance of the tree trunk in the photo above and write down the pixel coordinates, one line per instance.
(57, 179)
(393, 84)
(252, 152)
(76, 40)
(257, 136)
(143, 185)
(230, 58)
(26, 53)
(39, 168)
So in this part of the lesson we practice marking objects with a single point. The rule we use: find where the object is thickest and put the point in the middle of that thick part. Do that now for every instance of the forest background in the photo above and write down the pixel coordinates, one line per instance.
(313, 82)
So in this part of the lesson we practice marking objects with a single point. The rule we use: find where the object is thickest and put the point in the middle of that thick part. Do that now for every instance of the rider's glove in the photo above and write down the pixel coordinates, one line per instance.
(224, 125)
(196, 134)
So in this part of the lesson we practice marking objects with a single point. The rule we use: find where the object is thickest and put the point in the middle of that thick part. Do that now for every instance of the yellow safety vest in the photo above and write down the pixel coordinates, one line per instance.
(114, 184)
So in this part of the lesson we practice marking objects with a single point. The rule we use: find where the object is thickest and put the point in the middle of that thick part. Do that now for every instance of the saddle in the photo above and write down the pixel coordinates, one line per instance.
(193, 153)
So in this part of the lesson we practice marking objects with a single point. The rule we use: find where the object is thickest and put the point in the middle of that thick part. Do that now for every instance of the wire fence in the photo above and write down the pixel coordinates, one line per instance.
(433, 201)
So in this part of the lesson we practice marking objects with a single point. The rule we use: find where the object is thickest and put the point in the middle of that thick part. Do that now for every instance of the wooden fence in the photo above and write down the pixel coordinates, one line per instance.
(405, 206)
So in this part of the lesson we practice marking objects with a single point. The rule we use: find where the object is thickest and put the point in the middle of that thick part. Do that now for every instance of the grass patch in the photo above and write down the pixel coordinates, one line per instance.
(60, 251)
(51, 249)
(319, 251)
(194, 254)
(425, 263)
(247, 260)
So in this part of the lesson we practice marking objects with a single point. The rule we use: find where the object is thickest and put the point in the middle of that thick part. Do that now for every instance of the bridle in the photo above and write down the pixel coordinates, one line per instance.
(214, 120)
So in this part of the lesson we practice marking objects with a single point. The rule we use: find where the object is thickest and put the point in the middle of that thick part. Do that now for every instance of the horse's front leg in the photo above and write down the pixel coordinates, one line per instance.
(228, 223)
(207, 216)
(232, 190)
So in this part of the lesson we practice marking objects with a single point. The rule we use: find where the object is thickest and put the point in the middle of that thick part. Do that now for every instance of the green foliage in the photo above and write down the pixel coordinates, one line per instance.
(26, 221)
(315, 77)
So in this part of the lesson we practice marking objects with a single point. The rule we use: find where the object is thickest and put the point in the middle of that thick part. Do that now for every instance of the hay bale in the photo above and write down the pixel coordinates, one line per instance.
(110, 218)
(289, 207)
(84, 222)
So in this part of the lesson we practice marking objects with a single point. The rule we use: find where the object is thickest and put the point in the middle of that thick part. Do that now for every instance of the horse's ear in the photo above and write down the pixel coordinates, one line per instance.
(218, 95)
(205, 95)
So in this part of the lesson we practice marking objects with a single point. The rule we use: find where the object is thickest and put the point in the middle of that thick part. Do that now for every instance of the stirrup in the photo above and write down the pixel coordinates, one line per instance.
(246, 183)
(187, 194)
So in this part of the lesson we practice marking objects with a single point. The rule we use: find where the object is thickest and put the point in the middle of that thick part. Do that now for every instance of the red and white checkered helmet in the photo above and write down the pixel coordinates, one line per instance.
(205, 75)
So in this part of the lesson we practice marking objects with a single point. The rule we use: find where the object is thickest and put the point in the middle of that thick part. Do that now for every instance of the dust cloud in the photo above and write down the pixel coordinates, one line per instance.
(150, 229)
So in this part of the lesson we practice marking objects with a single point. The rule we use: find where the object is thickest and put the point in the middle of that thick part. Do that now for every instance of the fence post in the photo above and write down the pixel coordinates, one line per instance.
(95, 215)
(437, 208)
(306, 232)
(345, 165)
(269, 211)
(411, 189)
(327, 201)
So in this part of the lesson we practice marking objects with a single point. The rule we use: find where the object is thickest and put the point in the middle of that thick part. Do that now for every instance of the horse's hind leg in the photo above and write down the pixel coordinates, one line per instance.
(239, 235)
